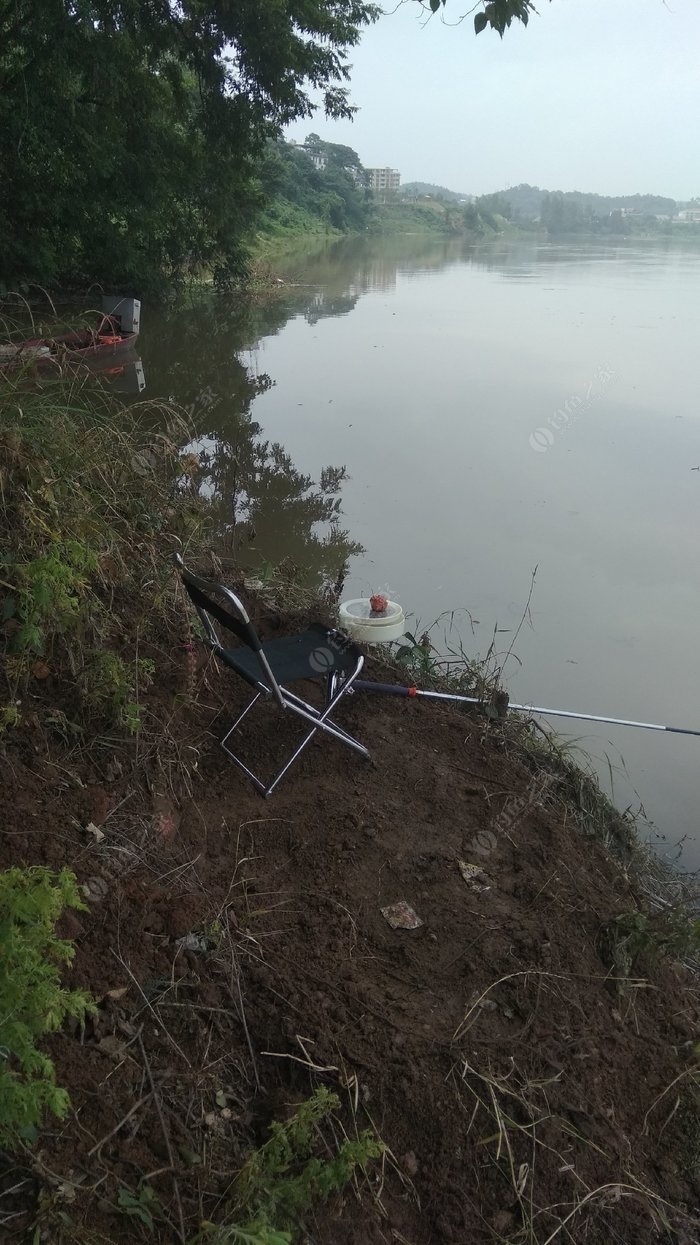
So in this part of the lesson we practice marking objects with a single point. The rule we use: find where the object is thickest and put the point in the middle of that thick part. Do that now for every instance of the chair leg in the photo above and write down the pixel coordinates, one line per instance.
(334, 693)
(318, 720)
(241, 716)
(257, 783)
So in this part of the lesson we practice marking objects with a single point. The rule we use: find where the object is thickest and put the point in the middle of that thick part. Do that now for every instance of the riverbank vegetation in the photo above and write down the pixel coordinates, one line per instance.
(254, 1053)
(303, 198)
(131, 140)
(135, 142)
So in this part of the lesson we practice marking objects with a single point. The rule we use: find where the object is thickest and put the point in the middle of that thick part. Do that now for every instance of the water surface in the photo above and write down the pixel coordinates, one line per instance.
(497, 409)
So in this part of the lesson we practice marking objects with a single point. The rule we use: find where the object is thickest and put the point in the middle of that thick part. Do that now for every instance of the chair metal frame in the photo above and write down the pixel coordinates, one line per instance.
(337, 683)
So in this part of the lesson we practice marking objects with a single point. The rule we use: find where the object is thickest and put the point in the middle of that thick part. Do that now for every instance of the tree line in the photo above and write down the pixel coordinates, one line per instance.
(135, 134)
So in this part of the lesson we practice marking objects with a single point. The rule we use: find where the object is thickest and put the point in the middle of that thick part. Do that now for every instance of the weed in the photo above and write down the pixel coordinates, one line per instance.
(50, 594)
(9, 716)
(140, 1206)
(417, 655)
(282, 1181)
(32, 1001)
(89, 510)
(253, 1235)
(626, 937)
(111, 688)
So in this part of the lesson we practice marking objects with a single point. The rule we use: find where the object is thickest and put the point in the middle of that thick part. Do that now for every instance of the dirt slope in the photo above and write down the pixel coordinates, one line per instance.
(523, 1097)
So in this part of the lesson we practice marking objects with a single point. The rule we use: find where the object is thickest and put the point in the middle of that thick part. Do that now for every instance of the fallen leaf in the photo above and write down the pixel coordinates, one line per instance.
(112, 1045)
(523, 1173)
(91, 828)
(409, 1162)
(65, 1191)
(401, 916)
(95, 889)
(474, 876)
(40, 670)
(144, 461)
(117, 993)
(192, 942)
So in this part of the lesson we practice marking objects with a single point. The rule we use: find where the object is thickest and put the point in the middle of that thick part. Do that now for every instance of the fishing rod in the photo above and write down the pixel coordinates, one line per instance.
(397, 689)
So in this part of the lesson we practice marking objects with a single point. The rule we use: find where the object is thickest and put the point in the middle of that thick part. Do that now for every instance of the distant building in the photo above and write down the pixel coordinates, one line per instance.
(319, 158)
(689, 216)
(380, 180)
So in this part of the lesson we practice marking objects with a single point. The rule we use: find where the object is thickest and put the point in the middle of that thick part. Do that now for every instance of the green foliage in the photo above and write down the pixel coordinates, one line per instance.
(417, 655)
(397, 216)
(625, 938)
(9, 716)
(282, 1181)
(139, 1206)
(417, 190)
(491, 206)
(50, 591)
(32, 1001)
(81, 536)
(252, 1235)
(302, 198)
(498, 14)
(111, 687)
(572, 213)
(525, 203)
(129, 135)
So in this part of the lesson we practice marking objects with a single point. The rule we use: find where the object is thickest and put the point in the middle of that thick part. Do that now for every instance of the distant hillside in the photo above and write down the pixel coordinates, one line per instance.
(317, 188)
(415, 189)
(526, 202)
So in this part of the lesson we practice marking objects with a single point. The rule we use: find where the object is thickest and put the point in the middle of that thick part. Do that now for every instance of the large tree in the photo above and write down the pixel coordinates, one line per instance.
(130, 129)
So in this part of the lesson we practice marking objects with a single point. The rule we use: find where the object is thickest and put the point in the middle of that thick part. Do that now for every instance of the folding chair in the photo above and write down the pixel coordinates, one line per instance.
(320, 653)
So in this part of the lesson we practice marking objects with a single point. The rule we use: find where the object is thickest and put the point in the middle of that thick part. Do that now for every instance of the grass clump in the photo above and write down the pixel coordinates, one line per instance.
(91, 504)
(629, 936)
(281, 1182)
(32, 1000)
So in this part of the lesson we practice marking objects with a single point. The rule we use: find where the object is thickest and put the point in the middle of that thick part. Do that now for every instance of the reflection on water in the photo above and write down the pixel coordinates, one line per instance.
(266, 509)
(127, 377)
(425, 368)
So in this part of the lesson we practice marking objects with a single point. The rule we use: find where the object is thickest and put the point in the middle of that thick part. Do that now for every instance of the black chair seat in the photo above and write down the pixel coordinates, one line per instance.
(317, 651)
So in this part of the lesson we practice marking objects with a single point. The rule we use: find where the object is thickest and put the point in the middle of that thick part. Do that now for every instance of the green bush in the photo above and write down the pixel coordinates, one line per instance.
(280, 1183)
(32, 1000)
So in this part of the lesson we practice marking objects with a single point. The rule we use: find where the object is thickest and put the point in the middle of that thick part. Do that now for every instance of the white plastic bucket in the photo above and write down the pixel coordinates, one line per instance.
(361, 623)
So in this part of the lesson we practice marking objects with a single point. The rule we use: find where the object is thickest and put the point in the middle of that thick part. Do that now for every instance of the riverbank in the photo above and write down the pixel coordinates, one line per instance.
(525, 1056)
(290, 228)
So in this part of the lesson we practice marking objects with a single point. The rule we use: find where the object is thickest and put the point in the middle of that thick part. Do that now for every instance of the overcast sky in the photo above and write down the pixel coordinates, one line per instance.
(598, 95)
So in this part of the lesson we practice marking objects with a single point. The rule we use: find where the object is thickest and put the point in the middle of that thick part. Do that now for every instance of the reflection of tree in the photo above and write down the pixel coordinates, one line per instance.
(265, 510)
(270, 511)
(324, 305)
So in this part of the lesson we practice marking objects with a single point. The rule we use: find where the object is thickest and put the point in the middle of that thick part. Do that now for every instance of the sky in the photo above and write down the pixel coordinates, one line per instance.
(594, 95)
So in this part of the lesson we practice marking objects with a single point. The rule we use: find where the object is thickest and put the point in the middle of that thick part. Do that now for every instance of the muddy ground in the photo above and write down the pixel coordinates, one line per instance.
(523, 1095)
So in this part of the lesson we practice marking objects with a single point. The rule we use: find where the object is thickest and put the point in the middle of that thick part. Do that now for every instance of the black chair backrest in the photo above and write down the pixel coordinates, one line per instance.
(241, 626)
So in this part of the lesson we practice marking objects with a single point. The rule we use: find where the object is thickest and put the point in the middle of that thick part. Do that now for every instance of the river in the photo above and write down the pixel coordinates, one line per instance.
(497, 409)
